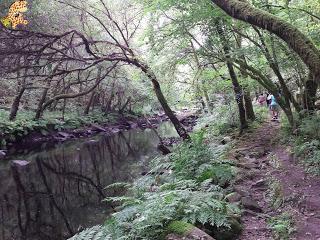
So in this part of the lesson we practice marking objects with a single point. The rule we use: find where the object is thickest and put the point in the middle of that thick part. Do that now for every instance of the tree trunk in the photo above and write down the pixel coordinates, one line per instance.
(87, 109)
(178, 126)
(248, 105)
(121, 109)
(15, 105)
(310, 93)
(64, 108)
(236, 86)
(41, 102)
(247, 98)
(295, 39)
(162, 100)
(271, 87)
(239, 96)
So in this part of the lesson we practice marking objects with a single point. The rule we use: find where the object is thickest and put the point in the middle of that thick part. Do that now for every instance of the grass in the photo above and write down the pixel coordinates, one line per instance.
(306, 142)
(275, 193)
(282, 226)
(274, 161)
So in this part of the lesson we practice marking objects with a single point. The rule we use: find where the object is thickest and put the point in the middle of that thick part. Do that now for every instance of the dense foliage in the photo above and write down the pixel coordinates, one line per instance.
(188, 186)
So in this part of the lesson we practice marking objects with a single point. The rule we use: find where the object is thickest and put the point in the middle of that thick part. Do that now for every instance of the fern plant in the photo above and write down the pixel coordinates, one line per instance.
(94, 233)
(187, 186)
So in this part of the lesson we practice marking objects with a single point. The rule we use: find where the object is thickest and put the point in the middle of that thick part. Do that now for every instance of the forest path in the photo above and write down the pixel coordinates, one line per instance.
(271, 182)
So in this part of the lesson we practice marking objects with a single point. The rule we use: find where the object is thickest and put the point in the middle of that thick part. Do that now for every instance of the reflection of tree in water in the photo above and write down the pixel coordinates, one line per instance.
(62, 189)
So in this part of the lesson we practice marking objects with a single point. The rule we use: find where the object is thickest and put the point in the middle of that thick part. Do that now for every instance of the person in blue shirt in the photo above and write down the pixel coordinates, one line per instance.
(274, 107)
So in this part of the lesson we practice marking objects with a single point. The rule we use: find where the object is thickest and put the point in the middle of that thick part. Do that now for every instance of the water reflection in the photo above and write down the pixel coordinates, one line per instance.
(61, 189)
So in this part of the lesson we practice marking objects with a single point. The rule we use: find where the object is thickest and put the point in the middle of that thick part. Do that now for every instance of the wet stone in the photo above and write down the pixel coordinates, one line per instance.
(233, 197)
(2, 154)
(260, 184)
(250, 204)
(21, 163)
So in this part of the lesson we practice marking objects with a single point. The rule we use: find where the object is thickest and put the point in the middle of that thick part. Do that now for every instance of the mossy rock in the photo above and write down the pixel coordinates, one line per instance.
(179, 227)
(178, 230)
(224, 233)
(229, 233)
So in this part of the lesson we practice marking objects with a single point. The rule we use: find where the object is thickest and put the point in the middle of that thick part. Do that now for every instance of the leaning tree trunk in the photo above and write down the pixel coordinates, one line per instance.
(300, 43)
(236, 86)
(175, 121)
(15, 105)
(87, 109)
(40, 104)
(162, 100)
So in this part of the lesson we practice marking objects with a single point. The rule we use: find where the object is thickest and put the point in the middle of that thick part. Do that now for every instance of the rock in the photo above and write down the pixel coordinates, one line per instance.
(184, 231)
(225, 140)
(115, 130)
(2, 154)
(260, 184)
(65, 135)
(250, 204)
(97, 127)
(248, 212)
(240, 177)
(244, 175)
(317, 104)
(247, 165)
(258, 152)
(133, 124)
(233, 197)
(228, 233)
(242, 192)
(91, 142)
(21, 163)
(240, 152)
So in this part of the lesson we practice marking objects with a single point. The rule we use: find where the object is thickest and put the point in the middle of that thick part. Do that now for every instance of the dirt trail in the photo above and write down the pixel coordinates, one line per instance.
(262, 157)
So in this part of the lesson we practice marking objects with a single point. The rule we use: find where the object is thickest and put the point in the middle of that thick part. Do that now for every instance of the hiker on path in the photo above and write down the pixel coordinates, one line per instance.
(268, 100)
(261, 99)
(274, 107)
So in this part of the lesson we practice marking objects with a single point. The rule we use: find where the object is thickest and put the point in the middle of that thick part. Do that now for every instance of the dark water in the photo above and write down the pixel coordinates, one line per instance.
(61, 189)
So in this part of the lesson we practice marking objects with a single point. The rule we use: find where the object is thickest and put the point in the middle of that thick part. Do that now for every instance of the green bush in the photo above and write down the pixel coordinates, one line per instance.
(261, 113)
(25, 123)
(282, 226)
(307, 143)
(310, 127)
(223, 120)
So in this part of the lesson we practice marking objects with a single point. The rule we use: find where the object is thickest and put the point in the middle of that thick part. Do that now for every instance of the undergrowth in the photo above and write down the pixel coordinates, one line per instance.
(25, 123)
(275, 193)
(186, 187)
(306, 142)
(282, 226)
(223, 120)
